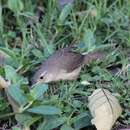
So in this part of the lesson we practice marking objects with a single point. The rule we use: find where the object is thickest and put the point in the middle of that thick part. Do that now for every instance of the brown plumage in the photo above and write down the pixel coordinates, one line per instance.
(64, 64)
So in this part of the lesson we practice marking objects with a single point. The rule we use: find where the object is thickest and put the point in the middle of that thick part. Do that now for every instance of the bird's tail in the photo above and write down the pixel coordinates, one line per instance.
(93, 56)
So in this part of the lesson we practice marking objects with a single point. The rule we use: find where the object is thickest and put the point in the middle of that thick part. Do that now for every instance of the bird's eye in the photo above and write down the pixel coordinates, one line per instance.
(41, 77)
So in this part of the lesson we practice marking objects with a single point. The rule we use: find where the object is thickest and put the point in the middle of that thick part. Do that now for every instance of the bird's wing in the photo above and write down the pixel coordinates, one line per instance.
(72, 61)
(65, 59)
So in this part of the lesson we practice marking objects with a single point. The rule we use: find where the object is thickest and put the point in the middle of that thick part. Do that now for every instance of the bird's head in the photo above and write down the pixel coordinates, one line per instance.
(42, 76)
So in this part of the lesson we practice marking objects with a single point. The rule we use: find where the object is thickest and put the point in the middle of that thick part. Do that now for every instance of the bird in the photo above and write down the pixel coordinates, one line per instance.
(64, 64)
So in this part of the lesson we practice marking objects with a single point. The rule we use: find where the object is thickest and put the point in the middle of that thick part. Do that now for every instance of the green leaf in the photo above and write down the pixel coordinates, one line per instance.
(11, 75)
(15, 5)
(52, 123)
(26, 119)
(37, 53)
(12, 56)
(38, 90)
(45, 110)
(9, 71)
(89, 40)
(77, 103)
(64, 14)
(8, 52)
(66, 127)
(82, 120)
(48, 50)
(17, 94)
(15, 128)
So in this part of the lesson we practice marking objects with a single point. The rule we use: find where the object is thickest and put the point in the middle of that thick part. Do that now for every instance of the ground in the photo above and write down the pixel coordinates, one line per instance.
(32, 30)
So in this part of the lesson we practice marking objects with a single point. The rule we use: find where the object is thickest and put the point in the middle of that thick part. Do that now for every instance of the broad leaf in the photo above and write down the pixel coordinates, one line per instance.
(15, 5)
(48, 50)
(104, 108)
(38, 90)
(16, 128)
(82, 120)
(89, 40)
(45, 110)
(11, 56)
(26, 119)
(11, 75)
(17, 95)
(37, 53)
(52, 123)
(8, 52)
(66, 127)
(64, 14)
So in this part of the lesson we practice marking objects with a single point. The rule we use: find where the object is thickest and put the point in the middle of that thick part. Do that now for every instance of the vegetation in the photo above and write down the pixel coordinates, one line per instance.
(32, 30)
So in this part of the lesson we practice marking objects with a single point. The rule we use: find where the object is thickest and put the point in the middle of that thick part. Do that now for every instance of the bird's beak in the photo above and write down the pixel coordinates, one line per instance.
(35, 84)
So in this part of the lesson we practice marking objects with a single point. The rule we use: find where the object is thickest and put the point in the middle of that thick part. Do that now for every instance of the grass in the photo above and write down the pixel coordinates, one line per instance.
(32, 30)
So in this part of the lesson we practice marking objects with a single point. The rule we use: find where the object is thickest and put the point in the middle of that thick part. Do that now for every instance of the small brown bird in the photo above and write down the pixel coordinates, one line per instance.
(64, 64)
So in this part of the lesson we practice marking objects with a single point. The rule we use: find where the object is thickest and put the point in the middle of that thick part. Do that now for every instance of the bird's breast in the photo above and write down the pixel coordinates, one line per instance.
(64, 75)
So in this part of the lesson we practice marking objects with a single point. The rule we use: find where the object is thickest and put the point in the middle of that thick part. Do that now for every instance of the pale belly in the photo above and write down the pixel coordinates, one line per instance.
(68, 76)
